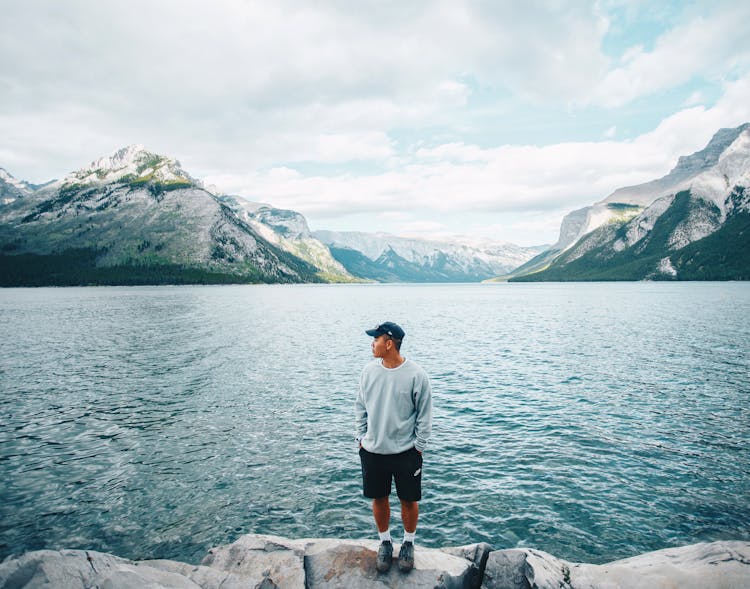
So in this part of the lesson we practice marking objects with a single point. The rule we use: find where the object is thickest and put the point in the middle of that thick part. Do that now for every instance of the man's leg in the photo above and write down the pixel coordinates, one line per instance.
(376, 484)
(409, 488)
(409, 515)
(381, 510)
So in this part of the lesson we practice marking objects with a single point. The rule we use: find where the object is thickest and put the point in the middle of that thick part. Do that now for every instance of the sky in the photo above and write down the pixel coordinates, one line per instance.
(430, 119)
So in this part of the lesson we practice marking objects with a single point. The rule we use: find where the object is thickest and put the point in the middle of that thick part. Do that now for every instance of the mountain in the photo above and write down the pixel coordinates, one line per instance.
(389, 258)
(137, 217)
(134, 217)
(692, 224)
(12, 189)
(289, 231)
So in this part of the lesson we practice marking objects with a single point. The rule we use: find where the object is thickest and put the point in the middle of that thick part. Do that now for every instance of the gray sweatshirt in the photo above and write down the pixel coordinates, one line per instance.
(394, 408)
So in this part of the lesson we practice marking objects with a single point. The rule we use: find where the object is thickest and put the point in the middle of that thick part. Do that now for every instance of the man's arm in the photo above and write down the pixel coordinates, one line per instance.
(423, 425)
(360, 415)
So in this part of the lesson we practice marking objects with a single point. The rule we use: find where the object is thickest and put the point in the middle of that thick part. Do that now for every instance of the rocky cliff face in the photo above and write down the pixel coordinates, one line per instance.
(289, 231)
(272, 562)
(625, 203)
(12, 189)
(691, 224)
(683, 174)
(136, 214)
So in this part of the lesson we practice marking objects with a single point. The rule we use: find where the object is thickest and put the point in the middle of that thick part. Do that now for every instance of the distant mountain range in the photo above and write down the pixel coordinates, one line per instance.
(692, 224)
(137, 217)
(390, 258)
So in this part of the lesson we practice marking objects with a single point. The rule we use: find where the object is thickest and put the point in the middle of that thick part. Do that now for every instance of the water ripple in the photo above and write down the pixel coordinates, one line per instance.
(591, 421)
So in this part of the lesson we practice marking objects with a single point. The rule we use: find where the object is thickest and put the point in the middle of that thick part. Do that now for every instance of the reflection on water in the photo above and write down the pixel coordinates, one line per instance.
(593, 421)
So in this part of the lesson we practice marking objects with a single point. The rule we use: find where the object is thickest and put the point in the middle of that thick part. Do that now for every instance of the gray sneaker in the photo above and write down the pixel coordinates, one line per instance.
(406, 557)
(385, 556)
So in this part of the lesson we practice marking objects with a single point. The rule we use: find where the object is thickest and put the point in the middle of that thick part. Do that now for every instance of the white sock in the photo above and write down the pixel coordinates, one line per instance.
(409, 537)
(385, 536)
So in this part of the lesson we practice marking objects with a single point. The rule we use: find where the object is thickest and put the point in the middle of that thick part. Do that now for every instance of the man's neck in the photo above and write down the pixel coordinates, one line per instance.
(393, 361)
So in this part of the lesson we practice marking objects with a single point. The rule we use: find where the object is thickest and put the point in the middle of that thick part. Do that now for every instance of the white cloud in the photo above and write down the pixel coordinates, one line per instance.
(507, 182)
(243, 91)
(695, 98)
(708, 46)
(248, 83)
(420, 228)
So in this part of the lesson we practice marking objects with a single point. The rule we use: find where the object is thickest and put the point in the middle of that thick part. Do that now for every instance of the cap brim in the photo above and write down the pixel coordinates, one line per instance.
(374, 332)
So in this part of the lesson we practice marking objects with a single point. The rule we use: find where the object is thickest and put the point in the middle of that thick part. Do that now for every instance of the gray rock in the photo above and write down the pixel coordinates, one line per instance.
(715, 565)
(506, 569)
(718, 565)
(337, 564)
(266, 562)
(79, 569)
(476, 553)
(271, 562)
(204, 577)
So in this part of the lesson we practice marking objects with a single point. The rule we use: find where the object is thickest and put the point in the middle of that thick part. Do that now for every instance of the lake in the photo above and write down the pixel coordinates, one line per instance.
(592, 421)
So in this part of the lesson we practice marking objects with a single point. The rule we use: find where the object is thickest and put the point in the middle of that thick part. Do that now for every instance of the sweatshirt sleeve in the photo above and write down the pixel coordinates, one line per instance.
(360, 413)
(423, 425)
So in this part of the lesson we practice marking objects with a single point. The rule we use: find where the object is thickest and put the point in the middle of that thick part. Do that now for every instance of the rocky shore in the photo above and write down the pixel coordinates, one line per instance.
(272, 562)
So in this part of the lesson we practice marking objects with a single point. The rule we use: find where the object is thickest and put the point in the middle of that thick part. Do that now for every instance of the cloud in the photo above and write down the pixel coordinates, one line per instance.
(254, 84)
(420, 228)
(709, 46)
(385, 108)
(513, 180)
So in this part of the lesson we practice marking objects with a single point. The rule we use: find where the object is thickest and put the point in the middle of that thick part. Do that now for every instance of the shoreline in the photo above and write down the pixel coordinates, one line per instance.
(273, 562)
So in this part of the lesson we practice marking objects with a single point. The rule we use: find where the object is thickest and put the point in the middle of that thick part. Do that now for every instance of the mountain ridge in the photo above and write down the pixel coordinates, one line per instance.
(136, 216)
(705, 193)
(139, 211)
(384, 256)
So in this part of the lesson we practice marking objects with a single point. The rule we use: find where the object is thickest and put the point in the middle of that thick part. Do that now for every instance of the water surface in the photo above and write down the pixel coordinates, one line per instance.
(592, 421)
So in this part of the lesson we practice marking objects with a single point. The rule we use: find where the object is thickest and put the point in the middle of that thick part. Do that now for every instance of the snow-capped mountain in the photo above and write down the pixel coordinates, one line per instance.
(687, 225)
(134, 164)
(135, 216)
(12, 189)
(385, 257)
(289, 231)
(625, 203)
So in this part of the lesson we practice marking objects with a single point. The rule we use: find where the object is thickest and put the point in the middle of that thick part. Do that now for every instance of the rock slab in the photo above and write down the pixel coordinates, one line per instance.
(716, 565)
(267, 562)
(253, 561)
(336, 564)
(272, 562)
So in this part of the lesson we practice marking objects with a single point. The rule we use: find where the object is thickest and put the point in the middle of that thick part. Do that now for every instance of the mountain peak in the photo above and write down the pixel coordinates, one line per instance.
(133, 161)
(132, 155)
(709, 155)
(680, 177)
(123, 156)
(6, 176)
(12, 188)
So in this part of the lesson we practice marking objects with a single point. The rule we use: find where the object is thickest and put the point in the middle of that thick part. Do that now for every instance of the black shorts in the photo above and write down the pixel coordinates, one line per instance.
(379, 469)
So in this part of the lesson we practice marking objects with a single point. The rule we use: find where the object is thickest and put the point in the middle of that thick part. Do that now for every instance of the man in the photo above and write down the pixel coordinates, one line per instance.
(394, 421)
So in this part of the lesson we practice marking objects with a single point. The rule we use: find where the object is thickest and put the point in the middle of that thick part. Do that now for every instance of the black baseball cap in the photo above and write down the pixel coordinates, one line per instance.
(387, 328)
